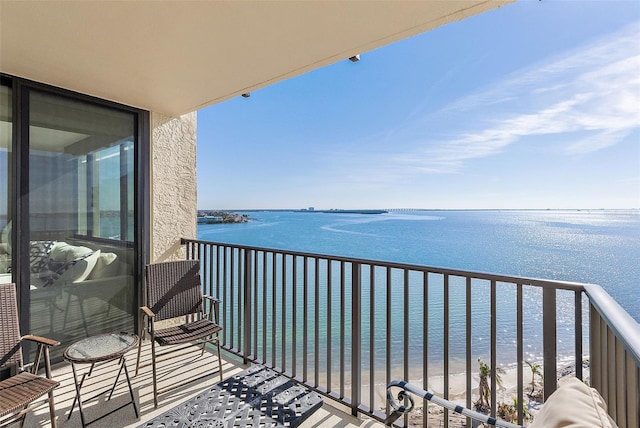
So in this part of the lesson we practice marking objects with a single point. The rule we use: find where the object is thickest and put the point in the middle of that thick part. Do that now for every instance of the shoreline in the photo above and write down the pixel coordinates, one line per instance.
(457, 387)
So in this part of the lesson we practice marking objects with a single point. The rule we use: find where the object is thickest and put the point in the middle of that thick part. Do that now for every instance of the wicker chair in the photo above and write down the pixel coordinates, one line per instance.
(19, 392)
(173, 290)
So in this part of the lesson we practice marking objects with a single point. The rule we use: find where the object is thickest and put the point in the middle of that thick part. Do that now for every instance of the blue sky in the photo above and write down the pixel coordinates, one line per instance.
(533, 105)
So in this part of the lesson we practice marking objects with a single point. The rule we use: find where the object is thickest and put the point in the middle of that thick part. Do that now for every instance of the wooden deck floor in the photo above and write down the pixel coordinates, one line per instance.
(169, 372)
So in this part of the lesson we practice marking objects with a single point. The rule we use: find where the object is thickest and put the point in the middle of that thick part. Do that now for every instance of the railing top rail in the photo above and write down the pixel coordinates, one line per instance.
(622, 324)
(565, 285)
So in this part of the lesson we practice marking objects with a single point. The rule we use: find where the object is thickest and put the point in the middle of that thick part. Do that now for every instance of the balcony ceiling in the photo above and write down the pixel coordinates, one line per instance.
(176, 57)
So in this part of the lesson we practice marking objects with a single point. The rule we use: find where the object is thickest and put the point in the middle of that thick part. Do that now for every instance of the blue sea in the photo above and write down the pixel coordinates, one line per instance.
(600, 247)
(597, 246)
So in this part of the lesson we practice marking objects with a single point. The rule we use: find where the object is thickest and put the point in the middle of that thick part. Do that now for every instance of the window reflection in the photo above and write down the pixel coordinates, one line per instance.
(5, 184)
(81, 254)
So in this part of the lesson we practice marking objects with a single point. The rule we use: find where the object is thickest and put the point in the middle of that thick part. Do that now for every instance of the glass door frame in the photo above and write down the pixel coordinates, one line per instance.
(19, 193)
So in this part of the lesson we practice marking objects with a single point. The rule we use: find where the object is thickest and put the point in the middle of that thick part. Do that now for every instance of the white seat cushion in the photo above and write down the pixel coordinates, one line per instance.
(573, 405)
(79, 269)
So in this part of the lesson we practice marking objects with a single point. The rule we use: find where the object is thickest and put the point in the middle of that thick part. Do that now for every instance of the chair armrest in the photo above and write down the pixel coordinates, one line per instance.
(214, 303)
(148, 312)
(212, 299)
(41, 340)
(42, 352)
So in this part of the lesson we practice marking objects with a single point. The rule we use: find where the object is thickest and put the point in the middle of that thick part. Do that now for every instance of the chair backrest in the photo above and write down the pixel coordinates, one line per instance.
(173, 288)
(10, 350)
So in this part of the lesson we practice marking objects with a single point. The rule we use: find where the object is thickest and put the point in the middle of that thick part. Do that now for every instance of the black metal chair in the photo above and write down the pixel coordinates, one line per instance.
(20, 391)
(173, 290)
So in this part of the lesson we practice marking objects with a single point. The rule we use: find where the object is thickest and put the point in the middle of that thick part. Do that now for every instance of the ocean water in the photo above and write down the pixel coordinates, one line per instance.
(599, 246)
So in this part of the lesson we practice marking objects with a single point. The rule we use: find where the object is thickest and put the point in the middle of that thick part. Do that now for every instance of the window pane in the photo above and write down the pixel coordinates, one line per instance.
(80, 198)
(5, 184)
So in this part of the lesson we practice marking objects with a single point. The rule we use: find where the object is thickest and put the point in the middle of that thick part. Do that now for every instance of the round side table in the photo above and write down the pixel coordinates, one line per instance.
(97, 349)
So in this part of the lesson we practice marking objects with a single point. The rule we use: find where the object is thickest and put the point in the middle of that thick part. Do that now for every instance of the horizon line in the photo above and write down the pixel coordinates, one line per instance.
(420, 209)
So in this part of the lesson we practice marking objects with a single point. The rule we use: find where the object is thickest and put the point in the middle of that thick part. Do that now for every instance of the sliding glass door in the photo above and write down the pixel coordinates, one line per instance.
(71, 223)
(81, 247)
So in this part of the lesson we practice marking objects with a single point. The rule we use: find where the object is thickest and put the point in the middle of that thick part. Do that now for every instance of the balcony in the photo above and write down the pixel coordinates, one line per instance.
(332, 322)
(169, 374)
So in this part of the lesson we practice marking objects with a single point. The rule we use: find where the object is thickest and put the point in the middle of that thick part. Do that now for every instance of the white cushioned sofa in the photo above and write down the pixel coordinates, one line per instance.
(73, 261)
(83, 271)
(66, 273)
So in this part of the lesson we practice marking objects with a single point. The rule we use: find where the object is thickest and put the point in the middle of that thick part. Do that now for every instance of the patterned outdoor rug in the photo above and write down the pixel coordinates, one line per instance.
(256, 397)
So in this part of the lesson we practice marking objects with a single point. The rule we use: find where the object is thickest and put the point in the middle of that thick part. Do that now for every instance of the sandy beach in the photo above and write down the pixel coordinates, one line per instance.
(506, 392)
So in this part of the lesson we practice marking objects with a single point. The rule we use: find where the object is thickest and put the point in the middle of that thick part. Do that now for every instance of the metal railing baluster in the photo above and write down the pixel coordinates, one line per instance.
(316, 324)
(247, 306)
(520, 352)
(294, 317)
(255, 287)
(329, 322)
(225, 300)
(468, 343)
(264, 306)
(425, 346)
(549, 341)
(283, 327)
(372, 336)
(305, 317)
(494, 352)
(445, 333)
(389, 332)
(274, 304)
(342, 328)
(578, 333)
(356, 340)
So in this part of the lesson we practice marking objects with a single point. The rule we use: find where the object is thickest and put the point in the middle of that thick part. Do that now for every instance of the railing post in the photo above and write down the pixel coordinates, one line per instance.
(356, 332)
(247, 306)
(549, 342)
(595, 348)
(578, 334)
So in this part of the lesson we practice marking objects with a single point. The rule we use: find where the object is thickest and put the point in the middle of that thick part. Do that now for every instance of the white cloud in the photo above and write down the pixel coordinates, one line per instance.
(598, 141)
(594, 89)
(590, 95)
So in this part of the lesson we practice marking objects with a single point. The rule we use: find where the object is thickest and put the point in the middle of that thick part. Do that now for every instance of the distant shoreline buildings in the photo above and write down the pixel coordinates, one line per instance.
(339, 211)
(217, 217)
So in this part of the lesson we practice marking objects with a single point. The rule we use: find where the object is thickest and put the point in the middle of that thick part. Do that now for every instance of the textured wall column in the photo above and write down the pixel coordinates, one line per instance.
(173, 185)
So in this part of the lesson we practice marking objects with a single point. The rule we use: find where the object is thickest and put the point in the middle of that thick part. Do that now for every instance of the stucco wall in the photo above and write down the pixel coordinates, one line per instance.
(173, 184)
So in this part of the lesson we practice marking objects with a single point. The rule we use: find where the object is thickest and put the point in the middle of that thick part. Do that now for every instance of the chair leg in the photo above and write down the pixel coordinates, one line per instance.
(66, 311)
(141, 335)
(138, 359)
(84, 318)
(52, 410)
(22, 419)
(153, 364)
(219, 356)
